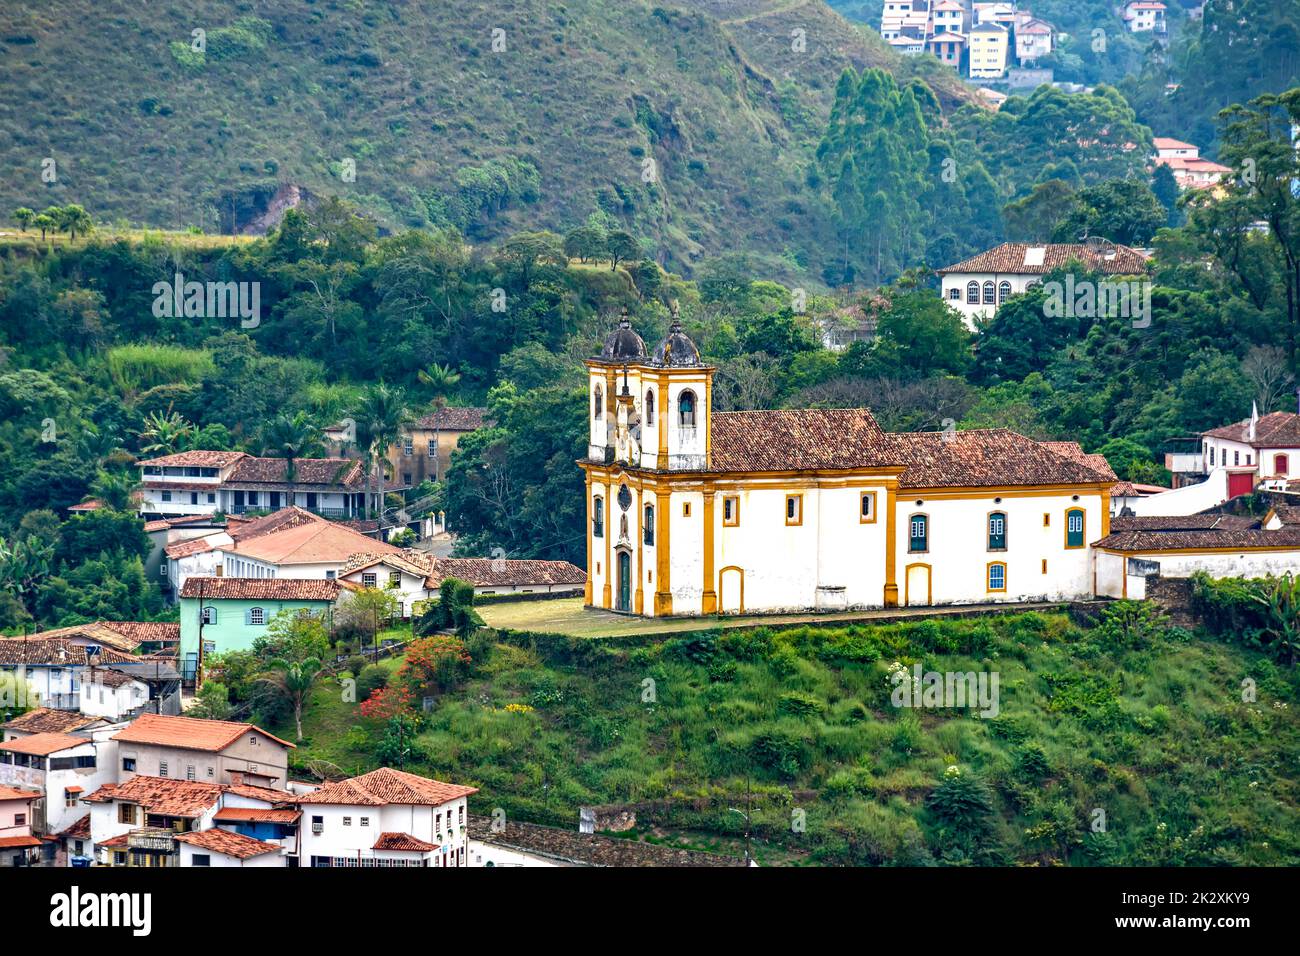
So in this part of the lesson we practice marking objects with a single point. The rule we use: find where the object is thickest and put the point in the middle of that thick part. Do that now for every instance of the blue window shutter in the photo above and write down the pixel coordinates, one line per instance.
(248, 615)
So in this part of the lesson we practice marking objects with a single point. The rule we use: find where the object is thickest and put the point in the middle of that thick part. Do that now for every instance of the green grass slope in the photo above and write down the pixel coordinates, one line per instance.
(1154, 734)
(440, 127)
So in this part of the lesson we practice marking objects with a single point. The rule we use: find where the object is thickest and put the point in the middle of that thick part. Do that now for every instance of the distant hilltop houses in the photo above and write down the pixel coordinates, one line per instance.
(1185, 162)
(987, 40)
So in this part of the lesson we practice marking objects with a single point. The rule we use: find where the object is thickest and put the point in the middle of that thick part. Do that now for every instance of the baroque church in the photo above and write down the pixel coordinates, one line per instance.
(692, 511)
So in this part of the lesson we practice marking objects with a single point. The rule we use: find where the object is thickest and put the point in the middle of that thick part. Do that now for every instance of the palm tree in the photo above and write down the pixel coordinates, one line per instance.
(163, 434)
(75, 219)
(44, 223)
(443, 379)
(115, 489)
(384, 410)
(24, 216)
(293, 680)
(290, 438)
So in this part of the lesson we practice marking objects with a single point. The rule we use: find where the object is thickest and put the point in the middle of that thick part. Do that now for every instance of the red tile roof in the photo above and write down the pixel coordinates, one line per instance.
(227, 842)
(256, 815)
(45, 720)
(453, 419)
(994, 457)
(1251, 539)
(261, 589)
(166, 796)
(188, 733)
(1274, 430)
(183, 549)
(77, 830)
(309, 473)
(15, 842)
(402, 841)
(384, 786)
(1010, 258)
(505, 572)
(18, 793)
(42, 745)
(200, 459)
(798, 439)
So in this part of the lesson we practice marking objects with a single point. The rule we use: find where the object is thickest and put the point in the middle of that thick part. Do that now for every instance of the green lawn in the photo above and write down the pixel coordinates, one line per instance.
(569, 616)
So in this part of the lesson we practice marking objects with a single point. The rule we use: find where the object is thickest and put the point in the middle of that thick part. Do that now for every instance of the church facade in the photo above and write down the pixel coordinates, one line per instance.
(696, 512)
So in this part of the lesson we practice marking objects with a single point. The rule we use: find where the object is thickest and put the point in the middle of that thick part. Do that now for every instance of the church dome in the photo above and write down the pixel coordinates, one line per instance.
(676, 350)
(623, 345)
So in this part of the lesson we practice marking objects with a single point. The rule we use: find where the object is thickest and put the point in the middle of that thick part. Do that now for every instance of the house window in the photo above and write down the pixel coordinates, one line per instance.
(209, 615)
(69, 798)
(988, 294)
(598, 403)
(189, 772)
(201, 859)
(972, 293)
(794, 509)
(365, 821)
(330, 575)
(918, 538)
(649, 525)
(731, 510)
(997, 576)
(394, 579)
(649, 407)
(126, 813)
(408, 447)
(1281, 464)
(256, 615)
(1004, 291)
(1074, 528)
(433, 448)
(128, 764)
(598, 517)
(1211, 456)
(369, 580)
(194, 497)
(166, 496)
(20, 819)
(212, 499)
(867, 507)
(162, 768)
(686, 409)
(954, 294)
(347, 821)
(997, 531)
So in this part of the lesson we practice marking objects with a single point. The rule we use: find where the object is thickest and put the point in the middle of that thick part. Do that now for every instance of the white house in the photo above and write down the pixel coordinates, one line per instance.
(1184, 160)
(233, 482)
(19, 846)
(692, 511)
(62, 767)
(1259, 450)
(977, 286)
(1145, 16)
(54, 667)
(223, 848)
(1033, 39)
(385, 818)
(112, 694)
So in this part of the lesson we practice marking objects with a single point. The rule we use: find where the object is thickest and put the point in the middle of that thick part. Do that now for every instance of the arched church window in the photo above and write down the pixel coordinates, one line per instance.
(598, 517)
(598, 403)
(649, 406)
(1004, 292)
(972, 293)
(686, 409)
(988, 294)
(649, 524)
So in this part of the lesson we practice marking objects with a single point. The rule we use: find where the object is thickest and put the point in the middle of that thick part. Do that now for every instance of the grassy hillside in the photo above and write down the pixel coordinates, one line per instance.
(440, 128)
(1149, 728)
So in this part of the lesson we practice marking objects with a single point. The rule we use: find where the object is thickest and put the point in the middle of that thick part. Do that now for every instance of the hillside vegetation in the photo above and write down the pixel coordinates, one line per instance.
(438, 127)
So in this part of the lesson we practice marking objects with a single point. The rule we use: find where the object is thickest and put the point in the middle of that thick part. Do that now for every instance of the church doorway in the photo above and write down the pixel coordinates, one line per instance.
(919, 587)
(731, 590)
(624, 581)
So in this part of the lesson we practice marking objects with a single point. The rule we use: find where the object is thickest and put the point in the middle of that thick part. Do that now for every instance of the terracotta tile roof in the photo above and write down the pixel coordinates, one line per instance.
(1230, 538)
(17, 842)
(402, 841)
(199, 459)
(90, 504)
(163, 524)
(42, 745)
(18, 793)
(290, 517)
(1274, 430)
(990, 457)
(1013, 258)
(589, 849)
(227, 842)
(183, 549)
(1201, 522)
(454, 419)
(269, 794)
(1123, 489)
(188, 733)
(118, 842)
(505, 572)
(119, 635)
(109, 677)
(299, 541)
(261, 589)
(1165, 142)
(45, 720)
(308, 472)
(256, 815)
(77, 830)
(384, 786)
(798, 439)
(418, 563)
(57, 652)
(141, 631)
(162, 795)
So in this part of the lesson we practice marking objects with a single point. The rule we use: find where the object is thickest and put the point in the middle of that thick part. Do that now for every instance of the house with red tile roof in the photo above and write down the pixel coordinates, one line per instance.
(385, 818)
(61, 767)
(209, 751)
(19, 846)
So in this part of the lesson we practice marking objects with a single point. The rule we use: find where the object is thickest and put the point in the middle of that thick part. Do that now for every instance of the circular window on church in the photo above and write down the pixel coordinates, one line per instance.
(624, 498)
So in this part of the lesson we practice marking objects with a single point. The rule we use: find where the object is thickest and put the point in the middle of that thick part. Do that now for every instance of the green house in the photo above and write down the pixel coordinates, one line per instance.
(229, 614)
